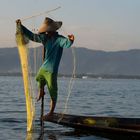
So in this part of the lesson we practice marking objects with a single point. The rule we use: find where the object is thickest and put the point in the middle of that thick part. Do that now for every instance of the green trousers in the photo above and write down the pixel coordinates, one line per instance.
(45, 77)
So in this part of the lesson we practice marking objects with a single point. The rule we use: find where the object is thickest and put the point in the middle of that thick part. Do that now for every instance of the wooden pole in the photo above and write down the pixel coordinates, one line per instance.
(42, 113)
(42, 101)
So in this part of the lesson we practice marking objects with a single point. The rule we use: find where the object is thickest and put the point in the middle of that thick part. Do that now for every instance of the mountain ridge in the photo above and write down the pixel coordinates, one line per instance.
(97, 62)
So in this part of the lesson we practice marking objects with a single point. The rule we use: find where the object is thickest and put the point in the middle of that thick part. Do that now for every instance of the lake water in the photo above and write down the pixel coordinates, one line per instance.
(101, 97)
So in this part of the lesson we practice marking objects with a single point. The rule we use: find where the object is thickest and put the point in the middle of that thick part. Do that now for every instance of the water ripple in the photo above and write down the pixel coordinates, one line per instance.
(109, 97)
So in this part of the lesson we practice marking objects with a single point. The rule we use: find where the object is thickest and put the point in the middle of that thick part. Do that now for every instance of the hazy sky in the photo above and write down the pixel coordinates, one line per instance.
(96, 24)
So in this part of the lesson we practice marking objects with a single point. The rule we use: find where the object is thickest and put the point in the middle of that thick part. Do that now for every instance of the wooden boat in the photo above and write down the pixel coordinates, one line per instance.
(94, 124)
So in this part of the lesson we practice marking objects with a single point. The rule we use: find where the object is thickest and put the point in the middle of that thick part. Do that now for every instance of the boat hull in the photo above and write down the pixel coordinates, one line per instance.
(94, 124)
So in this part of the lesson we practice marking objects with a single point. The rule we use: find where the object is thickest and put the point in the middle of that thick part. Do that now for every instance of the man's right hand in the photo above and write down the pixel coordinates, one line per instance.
(18, 21)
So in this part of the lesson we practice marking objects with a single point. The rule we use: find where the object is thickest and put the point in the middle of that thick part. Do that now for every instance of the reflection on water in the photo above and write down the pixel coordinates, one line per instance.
(76, 134)
(29, 136)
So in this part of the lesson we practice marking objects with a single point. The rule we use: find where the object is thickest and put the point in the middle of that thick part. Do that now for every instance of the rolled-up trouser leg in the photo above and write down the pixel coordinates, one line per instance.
(52, 86)
(41, 79)
(45, 77)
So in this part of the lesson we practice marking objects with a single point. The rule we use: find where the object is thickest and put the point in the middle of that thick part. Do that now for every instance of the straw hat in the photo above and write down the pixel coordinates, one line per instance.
(49, 25)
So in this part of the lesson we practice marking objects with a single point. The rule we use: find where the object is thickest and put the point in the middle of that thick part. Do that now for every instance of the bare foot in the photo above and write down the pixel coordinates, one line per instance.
(40, 95)
(48, 116)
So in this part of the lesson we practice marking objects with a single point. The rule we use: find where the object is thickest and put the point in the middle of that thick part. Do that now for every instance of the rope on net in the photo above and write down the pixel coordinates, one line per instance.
(72, 79)
(27, 71)
(71, 82)
(40, 14)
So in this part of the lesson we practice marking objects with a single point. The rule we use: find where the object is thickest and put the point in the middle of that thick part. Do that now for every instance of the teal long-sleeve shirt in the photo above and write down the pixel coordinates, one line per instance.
(53, 47)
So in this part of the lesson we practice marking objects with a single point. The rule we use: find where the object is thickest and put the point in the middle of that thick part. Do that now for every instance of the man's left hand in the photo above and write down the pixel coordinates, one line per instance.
(71, 37)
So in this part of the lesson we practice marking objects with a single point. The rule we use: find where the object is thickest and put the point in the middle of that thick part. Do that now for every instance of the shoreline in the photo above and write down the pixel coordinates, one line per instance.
(82, 76)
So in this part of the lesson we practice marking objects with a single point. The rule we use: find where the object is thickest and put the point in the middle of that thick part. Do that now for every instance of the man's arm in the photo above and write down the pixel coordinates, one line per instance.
(66, 42)
(31, 36)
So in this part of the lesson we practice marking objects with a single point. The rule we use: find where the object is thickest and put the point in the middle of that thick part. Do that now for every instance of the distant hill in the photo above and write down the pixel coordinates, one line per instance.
(87, 61)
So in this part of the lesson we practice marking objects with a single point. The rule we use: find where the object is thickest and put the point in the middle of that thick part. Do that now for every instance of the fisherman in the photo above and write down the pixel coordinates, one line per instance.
(53, 48)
